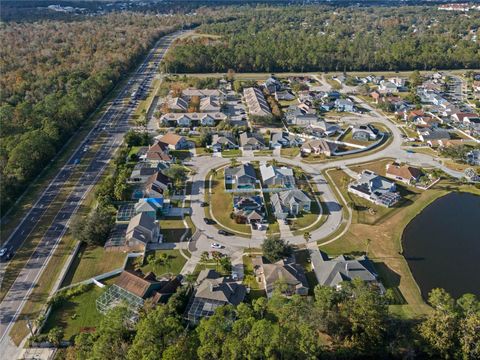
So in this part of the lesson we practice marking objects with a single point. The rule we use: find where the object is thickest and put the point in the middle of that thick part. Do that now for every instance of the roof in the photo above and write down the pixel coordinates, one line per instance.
(285, 270)
(251, 138)
(404, 171)
(269, 171)
(135, 284)
(140, 227)
(241, 170)
(157, 152)
(257, 105)
(149, 204)
(212, 286)
(320, 144)
(170, 139)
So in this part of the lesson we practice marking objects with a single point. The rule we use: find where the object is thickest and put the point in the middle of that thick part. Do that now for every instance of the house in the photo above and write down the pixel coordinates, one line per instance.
(473, 157)
(274, 176)
(173, 141)
(177, 104)
(333, 272)
(285, 272)
(212, 291)
(364, 132)
(243, 176)
(289, 203)
(133, 289)
(284, 139)
(141, 172)
(156, 154)
(325, 128)
(223, 142)
(375, 188)
(156, 184)
(345, 105)
(150, 206)
(142, 230)
(318, 146)
(300, 118)
(375, 96)
(387, 87)
(404, 173)
(433, 134)
(466, 118)
(256, 103)
(252, 141)
(272, 85)
(248, 209)
(201, 93)
(193, 119)
(285, 95)
(209, 104)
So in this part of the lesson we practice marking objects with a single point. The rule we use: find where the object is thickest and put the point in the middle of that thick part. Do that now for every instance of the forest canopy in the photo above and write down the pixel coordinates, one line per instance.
(315, 38)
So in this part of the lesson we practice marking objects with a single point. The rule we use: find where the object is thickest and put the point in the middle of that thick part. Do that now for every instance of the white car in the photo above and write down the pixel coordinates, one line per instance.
(3, 251)
(216, 246)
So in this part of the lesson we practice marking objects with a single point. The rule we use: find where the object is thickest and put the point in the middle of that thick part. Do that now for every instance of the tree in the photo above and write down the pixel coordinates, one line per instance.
(225, 264)
(96, 227)
(204, 257)
(233, 162)
(275, 249)
(55, 336)
(307, 236)
(177, 173)
(155, 333)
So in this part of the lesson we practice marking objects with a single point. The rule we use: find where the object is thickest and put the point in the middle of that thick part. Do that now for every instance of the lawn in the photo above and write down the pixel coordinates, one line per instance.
(290, 152)
(76, 314)
(378, 166)
(263, 153)
(92, 261)
(221, 205)
(273, 227)
(173, 266)
(231, 153)
(385, 247)
(302, 257)
(181, 154)
(173, 229)
(256, 289)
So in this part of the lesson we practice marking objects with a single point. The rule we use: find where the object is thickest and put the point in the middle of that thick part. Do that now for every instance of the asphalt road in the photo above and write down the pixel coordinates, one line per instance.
(109, 130)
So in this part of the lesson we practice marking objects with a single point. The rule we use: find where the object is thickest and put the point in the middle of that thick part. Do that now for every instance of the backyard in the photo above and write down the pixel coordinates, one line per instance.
(173, 264)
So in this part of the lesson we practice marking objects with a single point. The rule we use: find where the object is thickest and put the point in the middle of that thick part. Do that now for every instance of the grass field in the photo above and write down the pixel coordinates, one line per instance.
(231, 153)
(173, 229)
(256, 289)
(173, 266)
(290, 152)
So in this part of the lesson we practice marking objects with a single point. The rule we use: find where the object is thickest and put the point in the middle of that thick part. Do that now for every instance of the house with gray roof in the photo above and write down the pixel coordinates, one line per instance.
(284, 139)
(224, 141)
(289, 203)
(256, 102)
(285, 272)
(274, 176)
(333, 272)
(212, 291)
(364, 132)
(433, 134)
(375, 188)
(345, 105)
(252, 141)
(243, 176)
(142, 230)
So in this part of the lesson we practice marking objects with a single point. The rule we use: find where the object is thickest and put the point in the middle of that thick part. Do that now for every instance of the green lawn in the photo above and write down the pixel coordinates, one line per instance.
(76, 314)
(181, 154)
(302, 258)
(221, 204)
(173, 229)
(93, 261)
(173, 266)
(290, 152)
(263, 153)
(231, 153)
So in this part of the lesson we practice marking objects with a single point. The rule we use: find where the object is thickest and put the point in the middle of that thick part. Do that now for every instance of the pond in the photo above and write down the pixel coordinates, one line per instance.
(442, 245)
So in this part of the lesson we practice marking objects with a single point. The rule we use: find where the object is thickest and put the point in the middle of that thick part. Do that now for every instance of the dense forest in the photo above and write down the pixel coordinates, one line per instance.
(54, 74)
(353, 323)
(267, 39)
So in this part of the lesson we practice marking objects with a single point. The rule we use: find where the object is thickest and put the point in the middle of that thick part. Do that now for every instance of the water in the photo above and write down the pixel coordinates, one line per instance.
(442, 245)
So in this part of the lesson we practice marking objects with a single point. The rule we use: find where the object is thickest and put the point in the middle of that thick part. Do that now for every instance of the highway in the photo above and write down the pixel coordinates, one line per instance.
(108, 132)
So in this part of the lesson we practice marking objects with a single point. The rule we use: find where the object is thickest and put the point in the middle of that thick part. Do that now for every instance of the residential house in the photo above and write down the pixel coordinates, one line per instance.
(150, 206)
(289, 203)
(364, 132)
(433, 134)
(209, 104)
(252, 141)
(173, 141)
(142, 230)
(248, 209)
(141, 172)
(297, 116)
(156, 154)
(470, 119)
(256, 103)
(274, 176)
(284, 272)
(156, 184)
(272, 85)
(333, 272)
(243, 176)
(324, 128)
(284, 139)
(224, 141)
(473, 157)
(284, 95)
(404, 173)
(193, 119)
(375, 188)
(387, 87)
(133, 289)
(346, 105)
(201, 93)
(212, 291)
(177, 104)
(318, 147)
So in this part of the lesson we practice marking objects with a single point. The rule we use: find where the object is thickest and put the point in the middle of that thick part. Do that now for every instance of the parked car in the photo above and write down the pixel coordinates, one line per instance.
(216, 246)
(209, 221)
(225, 232)
(6, 253)
(204, 204)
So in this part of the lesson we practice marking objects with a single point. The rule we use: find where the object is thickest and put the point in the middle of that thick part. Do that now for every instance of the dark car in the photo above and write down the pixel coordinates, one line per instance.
(225, 232)
(204, 204)
(209, 221)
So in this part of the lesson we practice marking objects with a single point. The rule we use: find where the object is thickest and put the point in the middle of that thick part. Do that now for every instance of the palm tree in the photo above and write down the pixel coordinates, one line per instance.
(204, 257)
(307, 236)
(368, 241)
(233, 162)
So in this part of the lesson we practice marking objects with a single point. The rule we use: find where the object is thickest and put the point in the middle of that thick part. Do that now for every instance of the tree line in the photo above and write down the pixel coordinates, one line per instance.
(318, 38)
(353, 323)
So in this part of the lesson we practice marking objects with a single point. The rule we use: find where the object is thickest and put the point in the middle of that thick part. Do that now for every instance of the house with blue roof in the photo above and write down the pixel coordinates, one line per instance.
(150, 206)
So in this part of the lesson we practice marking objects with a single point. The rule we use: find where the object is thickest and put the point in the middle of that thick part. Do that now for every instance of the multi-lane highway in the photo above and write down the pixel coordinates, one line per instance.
(107, 135)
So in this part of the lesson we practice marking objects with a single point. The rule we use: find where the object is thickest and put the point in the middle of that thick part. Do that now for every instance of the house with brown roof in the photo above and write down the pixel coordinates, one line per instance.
(173, 141)
(318, 146)
(156, 184)
(404, 173)
(211, 292)
(133, 289)
(157, 153)
(284, 272)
